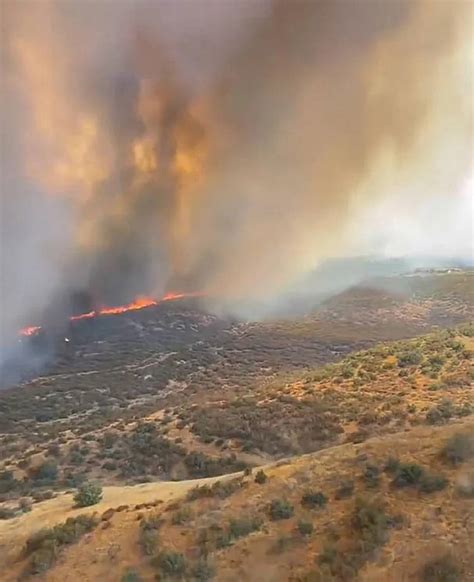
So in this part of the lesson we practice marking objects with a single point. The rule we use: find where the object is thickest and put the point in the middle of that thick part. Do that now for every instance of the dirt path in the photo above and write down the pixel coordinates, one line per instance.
(14, 532)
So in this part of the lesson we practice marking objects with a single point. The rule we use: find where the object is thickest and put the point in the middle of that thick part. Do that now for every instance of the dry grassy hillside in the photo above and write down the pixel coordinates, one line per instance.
(393, 508)
(389, 388)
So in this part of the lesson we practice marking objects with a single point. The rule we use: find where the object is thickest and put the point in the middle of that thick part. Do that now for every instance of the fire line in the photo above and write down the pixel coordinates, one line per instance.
(140, 302)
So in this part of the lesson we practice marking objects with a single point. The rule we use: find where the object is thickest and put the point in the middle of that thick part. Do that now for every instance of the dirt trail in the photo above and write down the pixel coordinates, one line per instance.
(14, 532)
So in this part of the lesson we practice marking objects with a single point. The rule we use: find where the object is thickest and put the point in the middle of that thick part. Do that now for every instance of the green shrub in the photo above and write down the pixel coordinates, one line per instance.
(392, 465)
(43, 547)
(260, 477)
(220, 489)
(7, 513)
(345, 490)
(25, 505)
(148, 540)
(43, 559)
(408, 475)
(242, 527)
(371, 522)
(337, 565)
(45, 474)
(305, 528)
(431, 483)
(43, 495)
(131, 575)
(171, 564)
(280, 509)
(459, 448)
(412, 358)
(181, 516)
(313, 499)
(199, 492)
(443, 569)
(8, 482)
(371, 476)
(441, 412)
(88, 494)
(203, 571)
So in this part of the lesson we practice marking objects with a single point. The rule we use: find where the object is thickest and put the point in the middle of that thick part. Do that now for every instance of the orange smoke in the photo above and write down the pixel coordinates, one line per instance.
(140, 302)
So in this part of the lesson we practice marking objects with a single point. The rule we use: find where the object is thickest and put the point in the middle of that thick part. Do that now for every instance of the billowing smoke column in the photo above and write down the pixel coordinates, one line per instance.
(220, 147)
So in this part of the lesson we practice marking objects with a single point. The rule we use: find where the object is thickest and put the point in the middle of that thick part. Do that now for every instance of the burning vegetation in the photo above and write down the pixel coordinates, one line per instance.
(232, 163)
(140, 302)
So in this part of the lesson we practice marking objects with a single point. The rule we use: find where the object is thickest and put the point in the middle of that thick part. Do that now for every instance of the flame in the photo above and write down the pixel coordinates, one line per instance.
(31, 330)
(140, 302)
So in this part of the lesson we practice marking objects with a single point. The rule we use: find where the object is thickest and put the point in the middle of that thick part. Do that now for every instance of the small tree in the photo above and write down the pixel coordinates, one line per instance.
(260, 477)
(88, 494)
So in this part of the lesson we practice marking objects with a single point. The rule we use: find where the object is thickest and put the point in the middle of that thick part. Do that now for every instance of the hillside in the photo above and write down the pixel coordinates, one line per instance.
(153, 403)
(389, 388)
(392, 508)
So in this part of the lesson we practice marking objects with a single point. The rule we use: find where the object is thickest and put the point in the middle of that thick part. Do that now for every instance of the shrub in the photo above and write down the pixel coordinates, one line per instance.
(218, 489)
(181, 516)
(370, 520)
(25, 504)
(305, 528)
(148, 540)
(283, 543)
(199, 491)
(371, 476)
(313, 499)
(412, 358)
(465, 484)
(346, 489)
(45, 474)
(260, 477)
(431, 483)
(280, 509)
(43, 495)
(131, 575)
(440, 413)
(408, 475)
(7, 513)
(43, 547)
(392, 465)
(203, 571)
(8, 482)
(239, 528)
(443, 569)
(88, 494)
(171, 564)
(459, 448)
(43, 559)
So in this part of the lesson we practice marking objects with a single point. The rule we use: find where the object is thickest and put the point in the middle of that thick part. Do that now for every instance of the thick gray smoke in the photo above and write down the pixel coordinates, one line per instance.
(225, 147)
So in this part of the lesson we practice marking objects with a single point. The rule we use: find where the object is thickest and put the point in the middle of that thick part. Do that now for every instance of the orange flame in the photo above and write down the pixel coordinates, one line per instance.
(139, 302)
(31, 330)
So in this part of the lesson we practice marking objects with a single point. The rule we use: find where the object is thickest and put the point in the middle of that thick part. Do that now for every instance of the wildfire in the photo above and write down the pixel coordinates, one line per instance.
(139, 302)
(31, 330)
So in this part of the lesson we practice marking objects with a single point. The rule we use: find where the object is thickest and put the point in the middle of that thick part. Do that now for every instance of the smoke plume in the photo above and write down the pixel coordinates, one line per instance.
(223, 147)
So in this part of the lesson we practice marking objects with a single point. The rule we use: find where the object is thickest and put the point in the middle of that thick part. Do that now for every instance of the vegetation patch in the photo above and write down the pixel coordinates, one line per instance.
(280, 509)
(313, 499)
(442, 569)
(459, 449)
(43, 548)
(88, 494)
